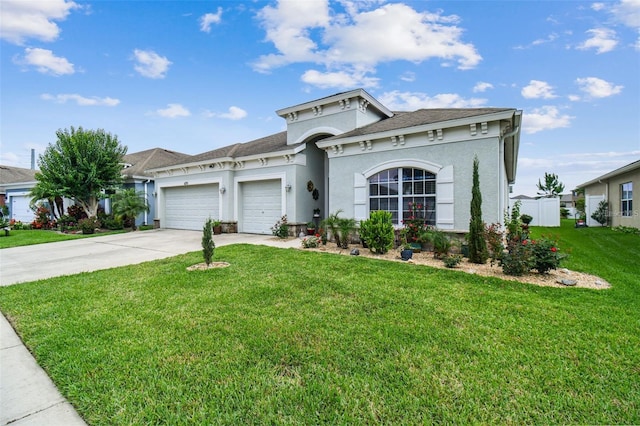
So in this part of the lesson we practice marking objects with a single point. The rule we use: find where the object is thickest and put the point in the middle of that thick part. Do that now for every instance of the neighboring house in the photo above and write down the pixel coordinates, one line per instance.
(135, 176)
(349, 152)
(616, 188)
(15, 186)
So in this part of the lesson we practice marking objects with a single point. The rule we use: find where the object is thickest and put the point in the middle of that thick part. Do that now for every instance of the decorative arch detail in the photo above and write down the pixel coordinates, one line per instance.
(323, 130)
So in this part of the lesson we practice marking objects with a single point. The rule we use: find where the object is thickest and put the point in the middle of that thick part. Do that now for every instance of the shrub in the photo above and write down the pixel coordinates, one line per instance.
(441, 243)
(601, 215)
(377, 231)
(313, 241)
(452, 260)
(88, 225)
(477, 244)
(494, 237)
(546, 255)
(77, 212)
(340, 228)
(112, 223)
(67, 223)
(517, 260)
(43, 218)
(513, 224)
(415, 225)
(526, 219)
(208, 246)
(281, 228)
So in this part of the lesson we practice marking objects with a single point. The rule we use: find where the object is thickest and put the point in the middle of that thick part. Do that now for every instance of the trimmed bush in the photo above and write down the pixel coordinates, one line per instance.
(377, 231)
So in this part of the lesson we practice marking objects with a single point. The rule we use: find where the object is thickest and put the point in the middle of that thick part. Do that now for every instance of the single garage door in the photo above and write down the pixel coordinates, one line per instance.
(261, 206)
(20, 210)
(188, 207)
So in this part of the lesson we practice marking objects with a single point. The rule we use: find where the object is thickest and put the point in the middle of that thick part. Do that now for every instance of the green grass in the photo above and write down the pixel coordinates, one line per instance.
(295, 337)
(27, 237)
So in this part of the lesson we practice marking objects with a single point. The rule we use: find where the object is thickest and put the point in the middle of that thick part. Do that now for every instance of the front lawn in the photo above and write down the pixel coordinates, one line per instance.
(288, 336)
(27, 237)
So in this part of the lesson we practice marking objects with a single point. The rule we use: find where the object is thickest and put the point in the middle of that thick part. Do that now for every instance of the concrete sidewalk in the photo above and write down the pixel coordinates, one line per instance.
(27, 394)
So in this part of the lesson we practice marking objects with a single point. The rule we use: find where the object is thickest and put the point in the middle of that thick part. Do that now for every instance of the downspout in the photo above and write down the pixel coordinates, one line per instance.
(146, 213)
(503, 199)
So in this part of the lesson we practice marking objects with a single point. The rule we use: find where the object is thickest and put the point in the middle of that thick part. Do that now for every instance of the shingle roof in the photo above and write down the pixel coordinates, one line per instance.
(149, 159)
(421, 117)
(10, 174)
(268, 144)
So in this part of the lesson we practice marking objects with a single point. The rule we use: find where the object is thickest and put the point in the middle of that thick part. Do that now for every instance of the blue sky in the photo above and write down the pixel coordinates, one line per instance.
(194, 76)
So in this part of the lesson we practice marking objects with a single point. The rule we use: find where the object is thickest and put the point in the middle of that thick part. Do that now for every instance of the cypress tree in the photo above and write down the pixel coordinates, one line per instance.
(477, 244)
(208, 246)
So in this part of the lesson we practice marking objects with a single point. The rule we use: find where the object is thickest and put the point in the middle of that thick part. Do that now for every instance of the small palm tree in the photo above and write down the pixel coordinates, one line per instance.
(128, 204)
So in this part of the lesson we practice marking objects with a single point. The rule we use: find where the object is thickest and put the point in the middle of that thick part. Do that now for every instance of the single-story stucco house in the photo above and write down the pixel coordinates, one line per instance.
(616, 188)
(348, 152)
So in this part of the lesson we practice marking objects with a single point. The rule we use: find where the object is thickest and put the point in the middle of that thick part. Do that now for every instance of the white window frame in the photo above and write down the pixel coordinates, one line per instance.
(626, 199)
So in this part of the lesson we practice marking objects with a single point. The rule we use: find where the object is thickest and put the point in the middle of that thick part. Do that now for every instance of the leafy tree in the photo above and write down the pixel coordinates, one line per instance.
(552, 187)
(127, 204)
(80, 166)
(477, 244)
(208, 246)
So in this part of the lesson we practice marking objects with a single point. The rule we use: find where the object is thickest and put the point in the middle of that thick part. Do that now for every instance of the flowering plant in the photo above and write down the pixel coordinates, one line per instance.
(546, 255)
(313, 241)
(414, 225)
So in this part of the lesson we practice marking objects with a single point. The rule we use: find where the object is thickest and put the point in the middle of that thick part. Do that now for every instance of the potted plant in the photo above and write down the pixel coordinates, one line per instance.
(311, 228)
(217, 227)
(406, 252)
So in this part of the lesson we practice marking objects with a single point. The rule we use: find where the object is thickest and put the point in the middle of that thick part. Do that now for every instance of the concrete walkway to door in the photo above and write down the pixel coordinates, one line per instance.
(27, 394)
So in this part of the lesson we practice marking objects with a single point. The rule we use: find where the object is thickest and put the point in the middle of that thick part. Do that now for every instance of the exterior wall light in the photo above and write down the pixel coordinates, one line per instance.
(223, 189)
(288, 187)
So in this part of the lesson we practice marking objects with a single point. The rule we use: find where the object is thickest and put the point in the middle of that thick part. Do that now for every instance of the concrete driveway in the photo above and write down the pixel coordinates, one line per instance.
(30, 263)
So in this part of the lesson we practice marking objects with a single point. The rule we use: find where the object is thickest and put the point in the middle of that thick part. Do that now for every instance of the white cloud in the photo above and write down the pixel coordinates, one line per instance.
(150, 64)
(338, 79)
(602, 39)
(210, 18)
(46, 62)
(545, 118)
(173, 111)
(235, 113)
(482, 86)
(408, 76)
(627, 12)
(538, 90)
(411, 101)
(309, 31)
(80, 100)
(598, 88)
(22, 19)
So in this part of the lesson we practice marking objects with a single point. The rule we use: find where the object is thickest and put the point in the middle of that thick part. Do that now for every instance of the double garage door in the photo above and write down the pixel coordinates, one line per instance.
(189, 207)
(260, 206)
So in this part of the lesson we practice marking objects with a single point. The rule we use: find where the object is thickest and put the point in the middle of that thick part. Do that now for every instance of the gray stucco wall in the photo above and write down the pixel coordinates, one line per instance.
(459, 155)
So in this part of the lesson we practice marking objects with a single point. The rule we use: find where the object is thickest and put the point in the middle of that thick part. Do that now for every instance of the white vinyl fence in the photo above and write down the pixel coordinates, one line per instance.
(545, 211)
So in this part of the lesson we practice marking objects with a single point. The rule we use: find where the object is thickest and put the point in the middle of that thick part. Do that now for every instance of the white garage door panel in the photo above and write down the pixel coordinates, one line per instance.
(261, 206)
(20, 210)
(188, 207)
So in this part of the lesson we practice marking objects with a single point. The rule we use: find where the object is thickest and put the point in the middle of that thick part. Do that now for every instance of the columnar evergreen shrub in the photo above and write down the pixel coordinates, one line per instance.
(477, 243)
(208, 246)
(377, 231)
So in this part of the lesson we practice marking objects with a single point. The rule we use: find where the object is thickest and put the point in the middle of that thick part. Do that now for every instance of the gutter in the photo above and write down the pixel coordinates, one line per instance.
(503, 200)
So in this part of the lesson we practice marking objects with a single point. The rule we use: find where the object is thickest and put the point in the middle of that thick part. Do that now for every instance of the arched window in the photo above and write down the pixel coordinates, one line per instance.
(397, 190)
